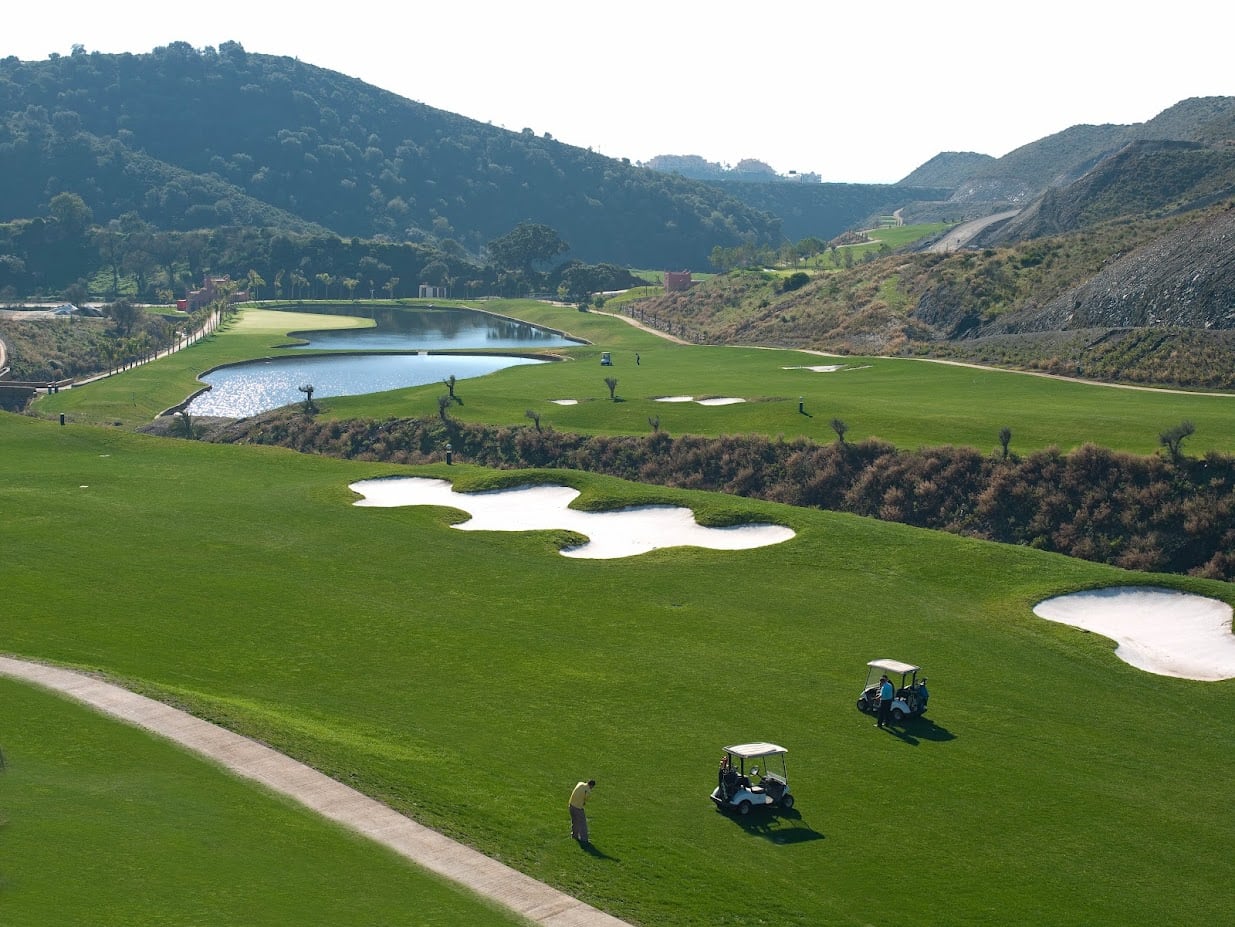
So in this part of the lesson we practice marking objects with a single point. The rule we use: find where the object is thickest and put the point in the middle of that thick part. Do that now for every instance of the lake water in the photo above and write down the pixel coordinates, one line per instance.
(258, 386)
(432, 330)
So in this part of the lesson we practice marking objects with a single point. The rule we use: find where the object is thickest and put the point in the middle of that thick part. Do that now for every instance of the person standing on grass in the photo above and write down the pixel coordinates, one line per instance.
(578, 817)
(886, 694)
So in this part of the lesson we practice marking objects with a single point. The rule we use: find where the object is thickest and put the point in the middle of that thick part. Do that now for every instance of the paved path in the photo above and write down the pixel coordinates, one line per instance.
(426, 848)
(959, 236)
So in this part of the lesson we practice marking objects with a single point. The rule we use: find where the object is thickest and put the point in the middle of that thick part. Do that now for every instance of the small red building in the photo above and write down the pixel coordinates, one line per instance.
(677, 281)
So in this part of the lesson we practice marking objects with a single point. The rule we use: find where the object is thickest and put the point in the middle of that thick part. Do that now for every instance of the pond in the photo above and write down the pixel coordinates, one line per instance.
(258, 386)
(430, 330)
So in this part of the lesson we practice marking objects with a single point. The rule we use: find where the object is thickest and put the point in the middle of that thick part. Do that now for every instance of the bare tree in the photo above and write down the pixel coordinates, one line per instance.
(611, 382)
(307, 389)
(654, 421)
(443, 407)
(840, 428)
(1173, 439)
(1005, 438)
(534, 416)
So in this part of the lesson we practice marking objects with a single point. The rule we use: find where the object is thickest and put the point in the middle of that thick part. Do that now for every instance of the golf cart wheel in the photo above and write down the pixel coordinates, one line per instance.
(897, 715)
(744, 808)
(786, 801)
(862, 705)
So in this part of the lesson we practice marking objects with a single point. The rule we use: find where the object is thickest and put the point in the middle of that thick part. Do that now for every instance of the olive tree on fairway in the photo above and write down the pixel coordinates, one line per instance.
(1005, 438)
(840, 428)
(1173, 438)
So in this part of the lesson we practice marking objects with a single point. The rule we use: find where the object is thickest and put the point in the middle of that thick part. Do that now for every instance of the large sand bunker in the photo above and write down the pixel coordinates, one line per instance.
(1158, 630)
(623, 533)
(714, 401)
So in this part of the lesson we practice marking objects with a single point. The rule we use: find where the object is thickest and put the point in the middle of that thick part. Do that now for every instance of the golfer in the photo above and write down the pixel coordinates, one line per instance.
(886, 694)
(578, 817)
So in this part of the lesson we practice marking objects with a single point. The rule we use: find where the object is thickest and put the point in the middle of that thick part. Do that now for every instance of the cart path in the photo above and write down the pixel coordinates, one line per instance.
(511, 889)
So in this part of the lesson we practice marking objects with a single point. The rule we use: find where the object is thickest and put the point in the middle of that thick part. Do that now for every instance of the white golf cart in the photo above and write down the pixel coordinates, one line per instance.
(911, 695)
(764, 784)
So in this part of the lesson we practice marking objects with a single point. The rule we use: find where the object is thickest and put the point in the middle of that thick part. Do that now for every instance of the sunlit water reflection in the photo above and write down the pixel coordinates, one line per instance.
(259, 386)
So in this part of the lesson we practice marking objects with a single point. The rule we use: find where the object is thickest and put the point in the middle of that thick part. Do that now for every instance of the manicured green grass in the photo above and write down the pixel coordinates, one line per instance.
(105, 825)
(470, 678)
(910, 403)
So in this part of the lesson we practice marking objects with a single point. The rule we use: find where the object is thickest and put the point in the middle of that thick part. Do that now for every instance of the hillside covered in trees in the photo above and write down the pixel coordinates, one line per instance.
(188, 139)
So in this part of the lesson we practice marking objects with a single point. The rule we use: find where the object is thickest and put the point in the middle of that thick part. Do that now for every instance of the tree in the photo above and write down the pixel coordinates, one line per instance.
(840, 428)
(450, 385)
(1005, 438)
(110, 242)
(307, 389)
(534, 416)
(1172, 439)
(611, 382)
(525, 246)
(71, 213)
(435, 273)
(184, 425)
(255, 282)
(124, 316)
(443, 407)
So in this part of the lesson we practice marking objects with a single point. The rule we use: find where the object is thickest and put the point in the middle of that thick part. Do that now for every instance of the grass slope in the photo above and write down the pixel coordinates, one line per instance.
(470, 679)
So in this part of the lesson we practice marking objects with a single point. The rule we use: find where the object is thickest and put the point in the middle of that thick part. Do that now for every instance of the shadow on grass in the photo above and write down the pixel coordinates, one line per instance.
(916, 730)
(591, 850)
(780, 826)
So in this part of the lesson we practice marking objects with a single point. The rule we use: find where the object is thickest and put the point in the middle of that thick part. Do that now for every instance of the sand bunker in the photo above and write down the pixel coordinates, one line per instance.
(623, 533)
(565, 402)
(1158, 630)
(718, 401)
(818, 368)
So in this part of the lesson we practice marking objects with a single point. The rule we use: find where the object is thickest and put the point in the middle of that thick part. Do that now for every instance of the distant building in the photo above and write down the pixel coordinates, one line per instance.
(677, 280)
(207, 293)
(429, 291)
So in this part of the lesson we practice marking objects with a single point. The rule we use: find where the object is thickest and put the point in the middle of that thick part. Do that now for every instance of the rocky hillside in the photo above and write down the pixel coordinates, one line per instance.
(1060, 160)
(1137, 300)
(1183, 279)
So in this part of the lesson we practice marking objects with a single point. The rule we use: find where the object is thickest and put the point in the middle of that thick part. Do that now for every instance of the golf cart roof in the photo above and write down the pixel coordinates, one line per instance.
(893, 666)
(760, 748)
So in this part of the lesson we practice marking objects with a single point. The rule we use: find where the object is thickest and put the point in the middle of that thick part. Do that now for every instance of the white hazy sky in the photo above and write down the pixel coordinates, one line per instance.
(857, 92)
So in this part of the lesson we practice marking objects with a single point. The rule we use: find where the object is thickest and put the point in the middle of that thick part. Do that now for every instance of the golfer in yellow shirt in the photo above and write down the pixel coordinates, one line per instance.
(578, 817)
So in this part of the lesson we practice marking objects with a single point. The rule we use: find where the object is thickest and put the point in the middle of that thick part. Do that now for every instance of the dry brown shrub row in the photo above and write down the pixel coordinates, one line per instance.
(1141, 513)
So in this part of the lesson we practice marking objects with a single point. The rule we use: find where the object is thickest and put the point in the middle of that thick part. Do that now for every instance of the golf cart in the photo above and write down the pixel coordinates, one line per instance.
(735, 790)
(911, 695)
